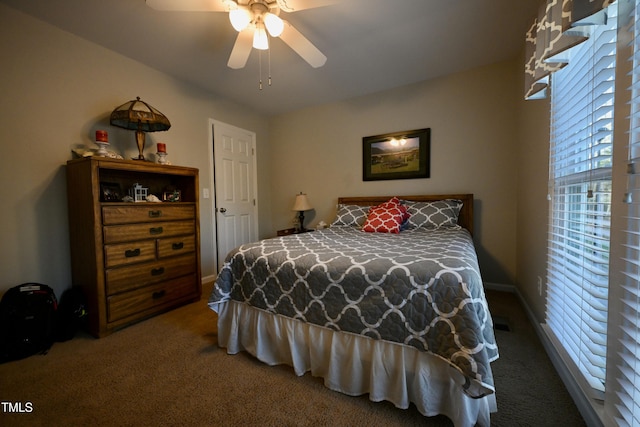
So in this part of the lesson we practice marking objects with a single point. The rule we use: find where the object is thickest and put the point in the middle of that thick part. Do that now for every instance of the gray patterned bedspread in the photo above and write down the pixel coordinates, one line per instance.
(420, 288)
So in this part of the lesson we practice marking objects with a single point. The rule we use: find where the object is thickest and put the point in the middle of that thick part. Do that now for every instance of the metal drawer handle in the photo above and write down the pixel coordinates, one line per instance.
(132, 253)
(157, 271)
(159, 294)
(155, 214)
(155, 230)
(177, 246)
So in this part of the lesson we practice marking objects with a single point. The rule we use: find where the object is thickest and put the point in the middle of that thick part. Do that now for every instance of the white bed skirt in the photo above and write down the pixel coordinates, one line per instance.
(353, 364)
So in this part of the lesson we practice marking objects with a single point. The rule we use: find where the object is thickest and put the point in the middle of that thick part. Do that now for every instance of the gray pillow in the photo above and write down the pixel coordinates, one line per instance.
(441, 213)
(351, 215)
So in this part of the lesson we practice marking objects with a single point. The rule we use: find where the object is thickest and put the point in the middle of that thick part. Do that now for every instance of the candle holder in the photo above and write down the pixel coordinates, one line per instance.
(162, 158)
(102, 141)
(102, 148)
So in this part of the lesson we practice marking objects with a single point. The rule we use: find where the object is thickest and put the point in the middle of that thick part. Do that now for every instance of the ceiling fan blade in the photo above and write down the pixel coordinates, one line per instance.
(189, 5)
(302, 46)
(241, 49)
(296, 5)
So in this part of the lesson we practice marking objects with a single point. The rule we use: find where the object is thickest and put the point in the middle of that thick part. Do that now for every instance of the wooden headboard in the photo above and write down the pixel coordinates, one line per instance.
(465, 219)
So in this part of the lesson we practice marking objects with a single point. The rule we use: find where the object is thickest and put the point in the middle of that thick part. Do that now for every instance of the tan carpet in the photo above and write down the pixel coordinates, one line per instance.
(528, 388)
(168, 370)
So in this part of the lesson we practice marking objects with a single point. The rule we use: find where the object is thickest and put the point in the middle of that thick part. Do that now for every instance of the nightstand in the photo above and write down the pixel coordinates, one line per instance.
(288, 231)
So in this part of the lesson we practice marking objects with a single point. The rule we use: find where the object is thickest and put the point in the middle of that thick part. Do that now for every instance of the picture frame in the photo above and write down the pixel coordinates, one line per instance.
(398, 155)
(110, 192)
(172, 196)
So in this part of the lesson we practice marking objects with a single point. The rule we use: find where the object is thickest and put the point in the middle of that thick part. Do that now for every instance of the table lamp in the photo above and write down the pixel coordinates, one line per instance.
(139, 116)
(301, 204)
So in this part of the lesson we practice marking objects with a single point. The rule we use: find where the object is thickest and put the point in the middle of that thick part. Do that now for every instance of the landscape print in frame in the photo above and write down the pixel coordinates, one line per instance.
(398, 155)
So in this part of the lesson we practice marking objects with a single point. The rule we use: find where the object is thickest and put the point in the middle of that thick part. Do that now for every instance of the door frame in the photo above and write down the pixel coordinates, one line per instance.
(212, 184)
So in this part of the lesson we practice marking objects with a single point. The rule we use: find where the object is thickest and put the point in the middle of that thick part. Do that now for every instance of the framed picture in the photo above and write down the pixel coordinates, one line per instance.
(172, 196)
(399, 155)
(110, 192)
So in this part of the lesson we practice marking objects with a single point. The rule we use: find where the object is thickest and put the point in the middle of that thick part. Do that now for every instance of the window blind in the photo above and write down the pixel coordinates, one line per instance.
(582, 104)
(627, 360)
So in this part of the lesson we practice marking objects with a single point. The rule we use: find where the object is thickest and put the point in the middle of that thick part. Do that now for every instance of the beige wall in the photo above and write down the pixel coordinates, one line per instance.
(57, 89)
(473, 121)
(533, 206)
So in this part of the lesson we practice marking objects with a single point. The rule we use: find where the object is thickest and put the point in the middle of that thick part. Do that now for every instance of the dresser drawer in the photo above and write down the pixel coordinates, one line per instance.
(155, 296)
(176, 246)
(129, 253)
(145, 213)
(156, 230)
(124, 279)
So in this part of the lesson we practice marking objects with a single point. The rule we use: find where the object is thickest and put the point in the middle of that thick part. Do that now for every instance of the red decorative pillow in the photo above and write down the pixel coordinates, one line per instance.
(395, 202)
(386, 218)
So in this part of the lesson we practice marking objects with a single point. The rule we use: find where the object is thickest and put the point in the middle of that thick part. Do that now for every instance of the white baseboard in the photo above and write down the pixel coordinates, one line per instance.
(208, 279)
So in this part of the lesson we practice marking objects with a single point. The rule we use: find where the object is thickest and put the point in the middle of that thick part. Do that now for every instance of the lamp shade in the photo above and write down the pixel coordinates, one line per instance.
(139, 116)
(301, 203)
(260, 39)
(240, 18)
(274, 24)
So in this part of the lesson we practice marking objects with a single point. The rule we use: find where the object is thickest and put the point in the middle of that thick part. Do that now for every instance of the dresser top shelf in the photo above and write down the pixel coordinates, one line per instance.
(135, 165)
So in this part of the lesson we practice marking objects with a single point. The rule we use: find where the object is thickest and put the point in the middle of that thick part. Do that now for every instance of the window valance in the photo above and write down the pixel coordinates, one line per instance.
(560, 25)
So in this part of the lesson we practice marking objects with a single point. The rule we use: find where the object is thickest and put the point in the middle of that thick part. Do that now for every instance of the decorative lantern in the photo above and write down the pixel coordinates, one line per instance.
(138, 193)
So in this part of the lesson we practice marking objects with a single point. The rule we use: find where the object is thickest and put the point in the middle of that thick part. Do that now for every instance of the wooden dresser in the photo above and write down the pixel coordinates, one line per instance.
(132, 260)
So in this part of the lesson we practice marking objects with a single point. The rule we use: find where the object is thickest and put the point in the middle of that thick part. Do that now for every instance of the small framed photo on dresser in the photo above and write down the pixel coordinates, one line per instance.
(172, 196)
(110, 192)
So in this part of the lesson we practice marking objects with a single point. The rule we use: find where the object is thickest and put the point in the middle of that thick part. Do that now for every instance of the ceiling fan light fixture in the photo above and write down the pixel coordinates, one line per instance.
(240, 18)
(274, 24)
(260, 40)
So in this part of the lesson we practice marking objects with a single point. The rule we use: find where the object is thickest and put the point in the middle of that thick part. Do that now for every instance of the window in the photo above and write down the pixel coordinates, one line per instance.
(593, 301)
(582, 104)
(624, 361)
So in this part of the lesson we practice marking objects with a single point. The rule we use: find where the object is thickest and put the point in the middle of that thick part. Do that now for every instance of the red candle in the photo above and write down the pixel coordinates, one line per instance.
(101, 136)
(162, 148)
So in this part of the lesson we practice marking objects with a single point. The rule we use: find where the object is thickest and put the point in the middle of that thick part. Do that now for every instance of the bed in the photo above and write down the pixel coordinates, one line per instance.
(399, 315)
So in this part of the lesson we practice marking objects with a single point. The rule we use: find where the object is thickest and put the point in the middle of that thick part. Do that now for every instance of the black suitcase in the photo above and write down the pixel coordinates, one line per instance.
(27, 321)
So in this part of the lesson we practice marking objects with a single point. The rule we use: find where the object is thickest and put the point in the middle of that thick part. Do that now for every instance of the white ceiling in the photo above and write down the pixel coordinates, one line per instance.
(371, 45)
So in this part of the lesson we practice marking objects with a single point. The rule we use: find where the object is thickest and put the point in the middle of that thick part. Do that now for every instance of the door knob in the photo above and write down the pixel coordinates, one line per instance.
(222, 210)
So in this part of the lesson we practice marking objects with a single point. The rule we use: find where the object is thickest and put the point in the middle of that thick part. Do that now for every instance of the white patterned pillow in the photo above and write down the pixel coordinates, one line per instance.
(442, 213)
(351, 215)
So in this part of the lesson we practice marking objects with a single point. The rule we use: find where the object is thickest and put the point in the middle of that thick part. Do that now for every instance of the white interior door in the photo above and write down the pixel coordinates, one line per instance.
(236, 210)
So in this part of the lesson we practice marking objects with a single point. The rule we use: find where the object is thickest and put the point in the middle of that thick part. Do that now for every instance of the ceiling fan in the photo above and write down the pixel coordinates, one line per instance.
(253, 19)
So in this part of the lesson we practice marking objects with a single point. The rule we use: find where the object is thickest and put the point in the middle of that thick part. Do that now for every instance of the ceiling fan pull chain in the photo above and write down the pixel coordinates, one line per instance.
(260, 68)
(269, 54)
